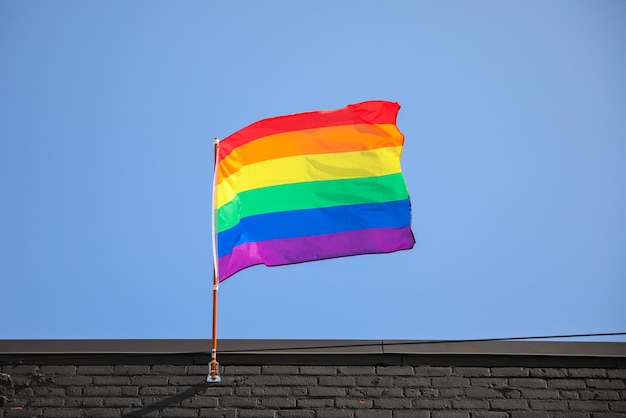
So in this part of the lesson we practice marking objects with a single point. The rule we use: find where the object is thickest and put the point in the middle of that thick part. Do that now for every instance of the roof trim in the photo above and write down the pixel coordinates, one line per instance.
(317, 347)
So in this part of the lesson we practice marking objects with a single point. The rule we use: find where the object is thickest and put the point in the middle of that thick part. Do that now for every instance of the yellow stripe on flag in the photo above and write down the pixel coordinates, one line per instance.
(303, 168)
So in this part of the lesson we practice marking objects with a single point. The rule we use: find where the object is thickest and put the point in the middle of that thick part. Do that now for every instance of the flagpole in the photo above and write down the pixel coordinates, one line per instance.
(213, 376)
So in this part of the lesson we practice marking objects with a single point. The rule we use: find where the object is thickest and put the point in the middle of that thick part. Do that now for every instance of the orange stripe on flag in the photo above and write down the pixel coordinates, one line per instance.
(311, 141)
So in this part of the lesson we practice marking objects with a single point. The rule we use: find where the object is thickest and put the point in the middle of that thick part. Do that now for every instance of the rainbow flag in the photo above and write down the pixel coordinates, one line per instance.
(311, 186)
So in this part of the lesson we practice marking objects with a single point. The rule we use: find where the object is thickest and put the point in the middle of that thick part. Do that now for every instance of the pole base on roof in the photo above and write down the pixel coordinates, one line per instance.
(211, 379)
(213, 376)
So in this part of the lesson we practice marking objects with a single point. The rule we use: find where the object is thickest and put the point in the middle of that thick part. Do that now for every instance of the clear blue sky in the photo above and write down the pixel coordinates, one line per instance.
(515, 158)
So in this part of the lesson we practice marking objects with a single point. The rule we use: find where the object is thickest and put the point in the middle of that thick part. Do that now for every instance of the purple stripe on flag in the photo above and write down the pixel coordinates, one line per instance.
(317, 247)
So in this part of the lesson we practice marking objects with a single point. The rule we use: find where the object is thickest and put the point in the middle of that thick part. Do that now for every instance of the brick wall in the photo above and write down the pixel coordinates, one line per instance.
(312, 385)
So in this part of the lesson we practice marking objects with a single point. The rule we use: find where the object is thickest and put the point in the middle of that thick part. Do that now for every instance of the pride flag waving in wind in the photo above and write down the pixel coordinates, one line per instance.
(311, 186)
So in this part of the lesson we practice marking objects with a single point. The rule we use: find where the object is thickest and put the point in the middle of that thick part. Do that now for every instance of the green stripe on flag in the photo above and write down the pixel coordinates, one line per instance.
(313, 194)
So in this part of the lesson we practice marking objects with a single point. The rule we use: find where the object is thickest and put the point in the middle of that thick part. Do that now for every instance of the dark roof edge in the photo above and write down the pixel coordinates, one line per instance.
(318, 347)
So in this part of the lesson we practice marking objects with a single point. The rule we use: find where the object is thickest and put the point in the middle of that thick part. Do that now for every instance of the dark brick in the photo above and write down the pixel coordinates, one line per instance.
(453, 382)
(607, 415)
(570, 414)
(353, 403)
(616, 374)
(95, 370)
(491, 382)
(62, 413)
(529, 414)
(589, 406)
(432, 371)
(47, 402)
(158, 390)
(256, 413)
(168, 369)
(449, 414)
(356, 392)
(489, 414)
(566, 383)
(218, 413)
(295, 413)
(421, 392)
(485, 393)
(201, 370)
(392, 403)
(130, 390)
(411, 414)
(46, 391)
(230, 381)
(211, 390)
(30, 412)
(450, 392)
(278, 402)
(547, 372)
(587, 373)
(297, 380)
(337, 381)
(279, 370)
(374, 380)
(412, 381)
(88, 402)
(395, 371)
(509, 371)
(318, 370)
(540, 394)
(510, 393)
(570, 394)
(529, 382)
(199, 402)
(325, 392)
(315, 403)
(12, 403)
(109, 380)
(618, 406)
(471, 371)
(608, 395)
(178, 412)
(131, 369)
(238, 391)
(136, 412)
(72, 380)
(241, 370)
(379, 413)
(271, 390)
(508, 404)
(606, 383)
(431, 404)
(375, 392)
(299, 391)
(18, 379)
(59, 370)
(147, 380)
(24, 392)
(186, 380)
(122, 402)
(263, 380)
(356, 370)
(470, 404)
(549, 405)
(238, 402)
(334, 413)
(23, 369)
(102, 391)
(103, 412)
